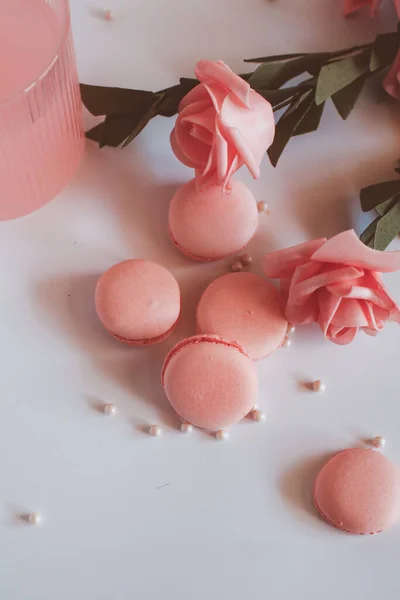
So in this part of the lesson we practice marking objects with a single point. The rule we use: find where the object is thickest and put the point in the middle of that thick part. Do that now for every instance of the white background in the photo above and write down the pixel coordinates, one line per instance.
(129, 516)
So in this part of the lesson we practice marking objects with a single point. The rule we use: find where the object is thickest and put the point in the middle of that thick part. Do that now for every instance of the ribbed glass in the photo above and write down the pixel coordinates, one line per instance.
(41, 131)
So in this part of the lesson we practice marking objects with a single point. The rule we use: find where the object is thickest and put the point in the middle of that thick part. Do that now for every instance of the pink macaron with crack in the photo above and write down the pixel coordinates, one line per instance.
(138, 302)
(210, 382)
(358, 491)
(211, 223)
(246, 308)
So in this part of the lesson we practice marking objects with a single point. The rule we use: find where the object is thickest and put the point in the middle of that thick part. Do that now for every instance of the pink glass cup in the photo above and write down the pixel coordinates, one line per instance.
(41, 130)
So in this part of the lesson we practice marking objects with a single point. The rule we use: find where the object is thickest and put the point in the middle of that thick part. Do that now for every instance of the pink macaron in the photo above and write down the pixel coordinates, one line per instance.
(246, 308)
(210, 223)
(358, 491)
(211, 383)
(138, 302)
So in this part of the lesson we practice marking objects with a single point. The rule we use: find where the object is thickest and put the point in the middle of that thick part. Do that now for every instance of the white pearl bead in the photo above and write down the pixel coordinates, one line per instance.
(318, 386)
(262, 207)
(246, 259)
(291, 329)
(109, 410)
(186, 427)
(108, 15)
(35, 518)
(237, 266)
(286, 343)
(155, 430)
(221, 435)
(258, 416)
(379, 442)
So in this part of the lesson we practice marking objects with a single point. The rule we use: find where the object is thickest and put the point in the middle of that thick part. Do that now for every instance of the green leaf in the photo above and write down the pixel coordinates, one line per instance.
(384, 50)
(288, 123)
(311, 120)
(116, 129)
(273, 58)
(383, 208)
(96, 133)
(338, 75)
(373, 195)
(111, 100)
(368, 235)
(387, 228)
(273, 75)
(345, 99)
(152, 112)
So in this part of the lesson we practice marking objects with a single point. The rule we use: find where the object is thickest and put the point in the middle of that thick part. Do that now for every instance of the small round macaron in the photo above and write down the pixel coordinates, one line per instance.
(210, 223)
(246, 308)
(210, 382)
(358, 491)
(138, 302)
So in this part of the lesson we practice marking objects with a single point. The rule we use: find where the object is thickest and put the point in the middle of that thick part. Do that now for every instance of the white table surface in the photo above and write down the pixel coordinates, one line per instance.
(129, 516)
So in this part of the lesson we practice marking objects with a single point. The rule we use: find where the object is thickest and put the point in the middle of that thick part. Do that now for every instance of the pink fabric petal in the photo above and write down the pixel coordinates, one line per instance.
(394, 310)
(195, 151)
(210, 71)
(197, 94)
(341, 335)
(350, 313)
(217, 95)
(345, 248)
(301, 310)
(201, 134)
(180, 155)
(205, 117)
(328, 305)
(324, 279)
(282, 263)
(391, 82)
(238, 141)
(221, 149)
(359, 292)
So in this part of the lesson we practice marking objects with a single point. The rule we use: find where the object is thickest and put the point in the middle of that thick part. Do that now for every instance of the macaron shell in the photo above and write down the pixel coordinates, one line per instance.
(210, 224)
(246, 308)
(358, 491)
(210, 382)
(138, 301)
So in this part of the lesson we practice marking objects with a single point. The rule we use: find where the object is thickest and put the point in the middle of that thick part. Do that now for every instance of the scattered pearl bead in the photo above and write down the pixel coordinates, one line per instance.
(318, 386)
(291, 329)
(286, 343)
(258, 416)
(109, 410)
(108, 15)
(246, 259)
(221, 435)
(379, 442)
(35, 518)
(262, 207)
(155, 430)
(237, 266)
(186, 427)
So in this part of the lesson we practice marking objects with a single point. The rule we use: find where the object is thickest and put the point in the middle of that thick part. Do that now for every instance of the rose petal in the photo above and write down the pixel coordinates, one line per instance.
(203, 117)
(197, 94)
(394, 311)
(301, 310)
(199, 133)
(341, 335)
(391, 82)
(221, 152)
(180, 155)
(283, 263)
(324, 279)
(345, 248)
(210, 71)
(328, 305)
(350, 313)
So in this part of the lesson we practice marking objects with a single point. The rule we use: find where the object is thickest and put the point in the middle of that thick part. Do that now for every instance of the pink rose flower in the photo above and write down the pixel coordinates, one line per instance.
(335, 283)
(222, 125)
